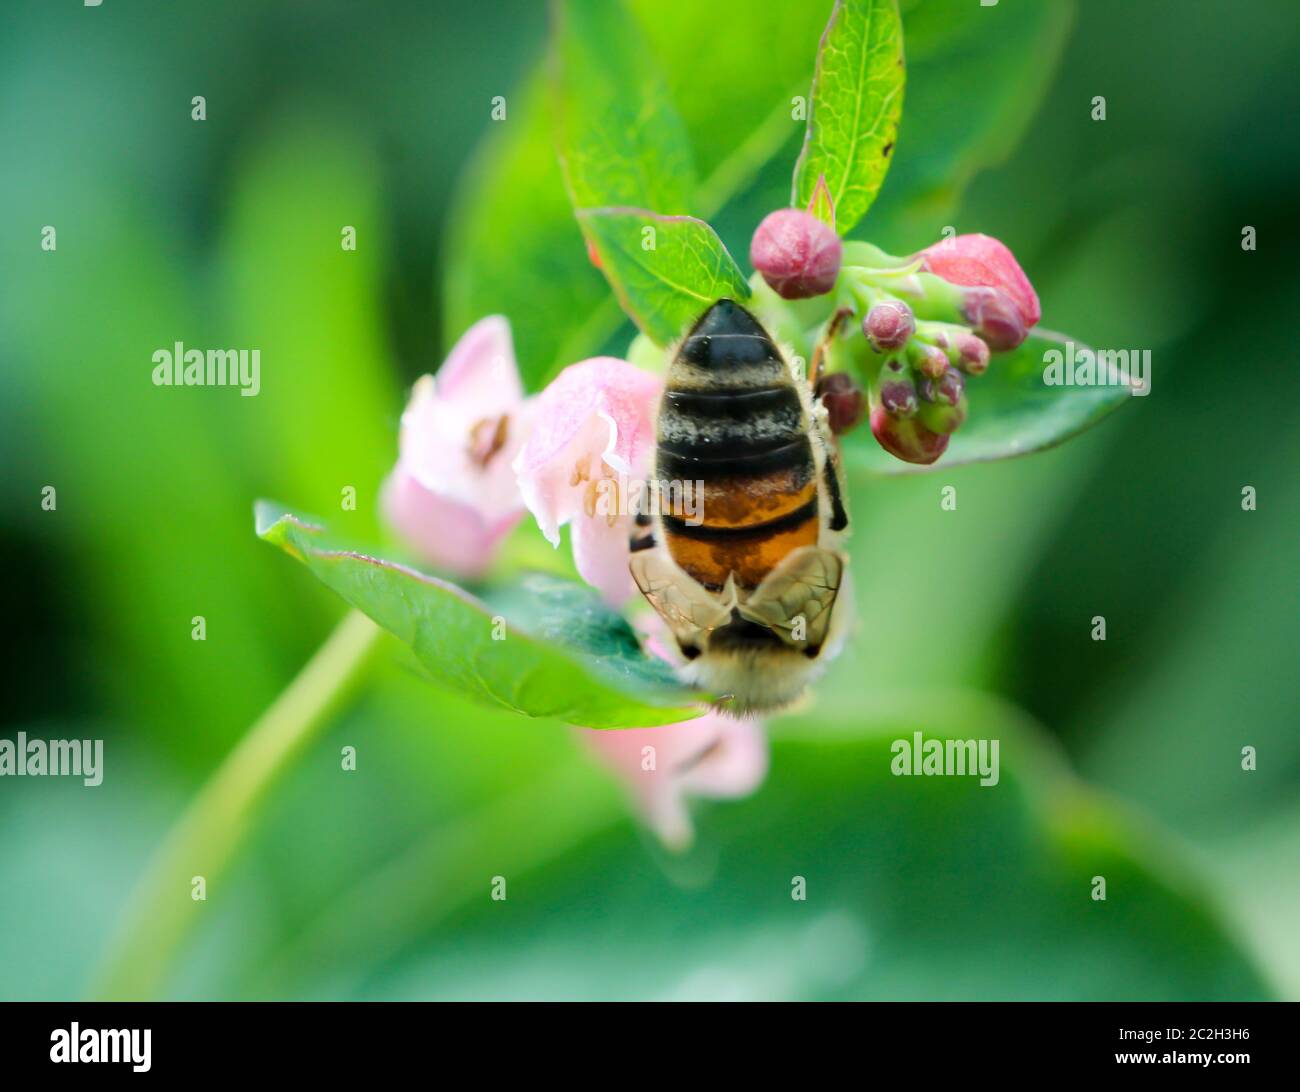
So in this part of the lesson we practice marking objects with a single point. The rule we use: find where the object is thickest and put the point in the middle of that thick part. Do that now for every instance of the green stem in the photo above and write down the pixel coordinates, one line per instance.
(161, 911)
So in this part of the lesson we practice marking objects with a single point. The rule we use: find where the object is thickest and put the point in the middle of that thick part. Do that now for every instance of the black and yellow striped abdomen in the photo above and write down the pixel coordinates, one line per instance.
(732, 420)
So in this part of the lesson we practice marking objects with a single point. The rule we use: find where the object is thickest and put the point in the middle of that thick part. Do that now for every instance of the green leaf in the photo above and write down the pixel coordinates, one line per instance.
(666, 270)
(619, 139)
(854, 110)
(1012, 412)
(565, 654)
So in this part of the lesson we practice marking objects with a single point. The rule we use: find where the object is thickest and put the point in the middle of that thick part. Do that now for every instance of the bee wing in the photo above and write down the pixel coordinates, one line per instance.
(689, 609)
(803, 586)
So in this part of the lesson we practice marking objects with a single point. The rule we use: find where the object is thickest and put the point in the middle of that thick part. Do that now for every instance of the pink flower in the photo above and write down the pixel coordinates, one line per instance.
(590, 445)
(453, 494)
(716, 756)
(1003, 316)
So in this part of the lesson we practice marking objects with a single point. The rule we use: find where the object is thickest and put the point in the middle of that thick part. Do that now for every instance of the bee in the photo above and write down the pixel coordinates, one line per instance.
(749, 588)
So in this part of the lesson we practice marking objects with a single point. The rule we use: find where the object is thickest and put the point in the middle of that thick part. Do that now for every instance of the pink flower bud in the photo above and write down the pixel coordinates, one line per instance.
(797, 254)
(907, 438)
(943, 402)
(843, 400)
(888, 325)
(930, 360)
(948, 388)
(896, 388)
(994, 317)
(980, 261)
(973, 355)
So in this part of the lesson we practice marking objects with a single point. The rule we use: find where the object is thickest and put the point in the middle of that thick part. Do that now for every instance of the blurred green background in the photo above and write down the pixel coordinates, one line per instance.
(1120, 758)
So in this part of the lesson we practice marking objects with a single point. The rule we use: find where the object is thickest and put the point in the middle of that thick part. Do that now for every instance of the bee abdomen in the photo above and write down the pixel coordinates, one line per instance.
(731, 420)
(756, 501)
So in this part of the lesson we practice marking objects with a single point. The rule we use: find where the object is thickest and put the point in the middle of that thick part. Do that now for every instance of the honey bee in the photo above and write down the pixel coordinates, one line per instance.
(748, 589)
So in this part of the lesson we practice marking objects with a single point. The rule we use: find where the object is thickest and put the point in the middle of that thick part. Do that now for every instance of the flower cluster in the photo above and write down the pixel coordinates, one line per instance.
(476, 452)
(928, 321)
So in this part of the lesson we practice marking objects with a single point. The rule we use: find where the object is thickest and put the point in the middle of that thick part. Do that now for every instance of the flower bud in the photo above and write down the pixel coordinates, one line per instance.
(943, 402)
(942, 417)
(797, 254)
(843, 400)
(929, 360)
(888, 325)
(972, 355)
(897, 391)
(982, 261)
(905, 439)
(948, 388)
(995, 317)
